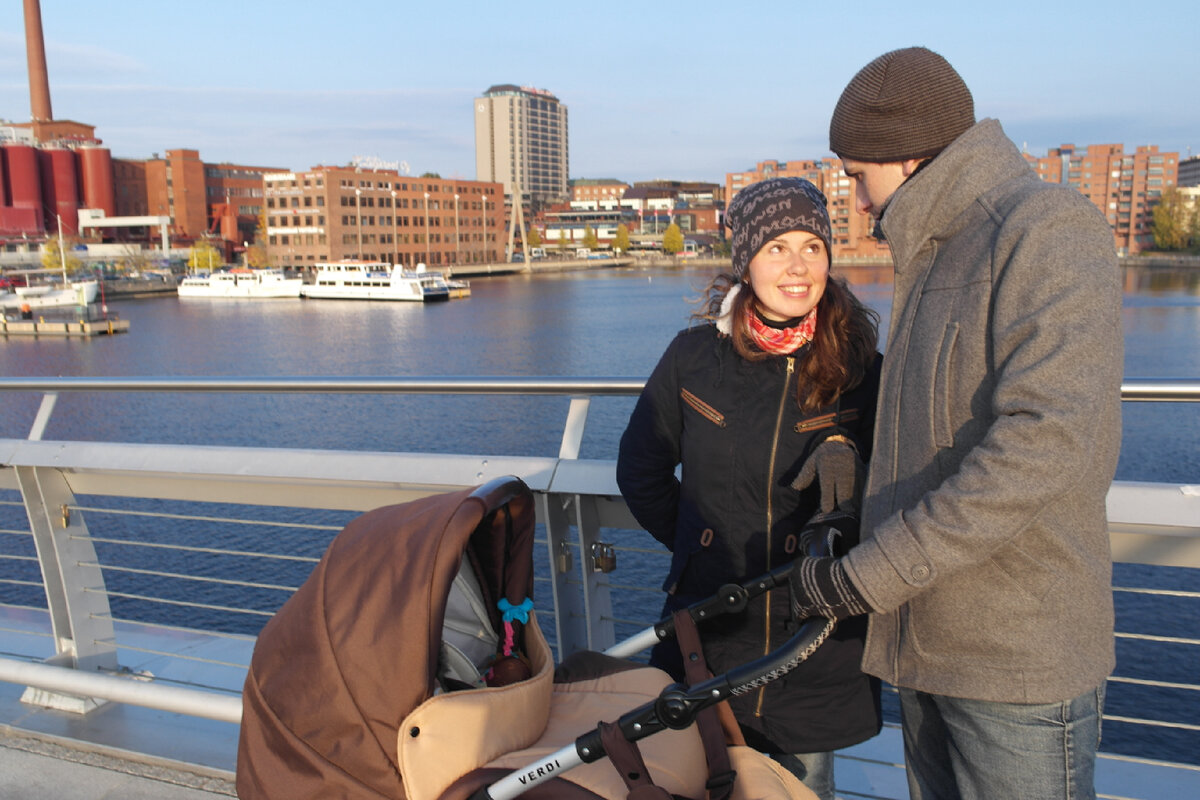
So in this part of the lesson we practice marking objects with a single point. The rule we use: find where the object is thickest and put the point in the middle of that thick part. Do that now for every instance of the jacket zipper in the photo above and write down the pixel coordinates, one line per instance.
(783, 398)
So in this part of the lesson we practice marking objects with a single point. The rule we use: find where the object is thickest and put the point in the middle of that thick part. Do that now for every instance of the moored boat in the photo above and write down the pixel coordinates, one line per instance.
(371, 280)
(241, 283)
(47, 295)
(458, 288)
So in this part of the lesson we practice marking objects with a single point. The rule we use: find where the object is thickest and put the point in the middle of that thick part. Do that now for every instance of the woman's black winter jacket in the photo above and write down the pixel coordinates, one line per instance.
(735, 427)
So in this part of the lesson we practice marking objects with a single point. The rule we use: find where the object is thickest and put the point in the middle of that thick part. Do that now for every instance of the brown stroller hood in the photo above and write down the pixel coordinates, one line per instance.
(346, 659)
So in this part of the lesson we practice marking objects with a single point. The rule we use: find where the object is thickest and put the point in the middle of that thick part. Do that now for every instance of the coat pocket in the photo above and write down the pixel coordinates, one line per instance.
(704, 409)
(822, 421)
(943, 426)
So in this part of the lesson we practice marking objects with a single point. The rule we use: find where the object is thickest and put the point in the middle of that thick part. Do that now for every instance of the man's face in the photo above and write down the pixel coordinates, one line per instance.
(874, 183)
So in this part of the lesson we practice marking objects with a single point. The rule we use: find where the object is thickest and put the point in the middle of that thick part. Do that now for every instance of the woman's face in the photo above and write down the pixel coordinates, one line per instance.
(788, 275)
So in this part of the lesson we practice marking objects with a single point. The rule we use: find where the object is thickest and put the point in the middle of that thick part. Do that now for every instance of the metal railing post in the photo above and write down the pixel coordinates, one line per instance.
(75, 593)
(597, 600)
(572, 437)
(570, 627)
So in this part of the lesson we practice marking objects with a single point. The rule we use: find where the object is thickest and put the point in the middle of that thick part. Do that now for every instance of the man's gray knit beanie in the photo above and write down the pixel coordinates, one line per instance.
(905, 104)
(763, 210)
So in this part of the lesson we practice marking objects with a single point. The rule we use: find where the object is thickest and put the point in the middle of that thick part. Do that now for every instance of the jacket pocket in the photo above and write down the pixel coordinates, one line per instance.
(943, 427)
(704, 409)
(823, 421)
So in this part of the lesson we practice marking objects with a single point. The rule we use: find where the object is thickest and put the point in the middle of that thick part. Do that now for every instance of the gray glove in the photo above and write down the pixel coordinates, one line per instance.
(840, 472)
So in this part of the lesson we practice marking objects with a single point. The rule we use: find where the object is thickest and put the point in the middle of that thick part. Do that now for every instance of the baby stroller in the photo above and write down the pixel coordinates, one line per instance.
(379, 678)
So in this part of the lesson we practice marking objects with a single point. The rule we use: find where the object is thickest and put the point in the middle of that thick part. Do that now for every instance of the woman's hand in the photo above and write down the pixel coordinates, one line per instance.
(840, 472)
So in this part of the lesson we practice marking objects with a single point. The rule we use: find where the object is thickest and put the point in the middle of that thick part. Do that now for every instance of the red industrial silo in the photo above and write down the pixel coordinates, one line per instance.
(24, 186)
(60, 188)
(97, 171)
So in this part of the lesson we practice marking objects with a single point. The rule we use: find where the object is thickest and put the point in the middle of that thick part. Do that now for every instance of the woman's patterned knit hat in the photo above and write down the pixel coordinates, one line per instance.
(763, 210)
(905, 104)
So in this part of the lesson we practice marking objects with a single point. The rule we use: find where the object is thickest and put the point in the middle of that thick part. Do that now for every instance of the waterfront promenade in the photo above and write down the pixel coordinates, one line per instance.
(41, 769)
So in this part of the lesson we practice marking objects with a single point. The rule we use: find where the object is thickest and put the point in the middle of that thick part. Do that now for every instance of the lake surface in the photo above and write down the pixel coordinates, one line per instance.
(607, 323)
(610, 323)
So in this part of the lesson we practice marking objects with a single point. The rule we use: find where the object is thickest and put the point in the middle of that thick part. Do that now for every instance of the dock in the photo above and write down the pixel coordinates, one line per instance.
(63, 328)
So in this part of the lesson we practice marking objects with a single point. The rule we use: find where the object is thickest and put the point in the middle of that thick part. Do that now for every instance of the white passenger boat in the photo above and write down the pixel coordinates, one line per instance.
(241, 283)
(375, 280)
(48, 295)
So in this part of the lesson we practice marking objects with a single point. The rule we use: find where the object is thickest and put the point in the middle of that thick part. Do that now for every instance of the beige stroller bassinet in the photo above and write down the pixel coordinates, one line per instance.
(359, 688)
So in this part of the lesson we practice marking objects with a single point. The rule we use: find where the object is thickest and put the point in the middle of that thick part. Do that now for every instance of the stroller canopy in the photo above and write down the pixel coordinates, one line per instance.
(342, 663)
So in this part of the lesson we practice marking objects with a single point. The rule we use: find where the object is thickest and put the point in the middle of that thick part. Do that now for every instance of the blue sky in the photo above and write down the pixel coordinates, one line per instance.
(652, 92)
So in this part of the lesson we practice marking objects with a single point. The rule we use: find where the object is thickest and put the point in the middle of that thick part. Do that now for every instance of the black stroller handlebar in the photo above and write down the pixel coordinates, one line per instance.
(729, 599)
(678, 705)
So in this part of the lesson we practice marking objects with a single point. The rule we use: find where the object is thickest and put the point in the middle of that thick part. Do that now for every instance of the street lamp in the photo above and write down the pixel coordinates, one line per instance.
(427, 258)
(395, 239)
(456, 230)
(358, 217)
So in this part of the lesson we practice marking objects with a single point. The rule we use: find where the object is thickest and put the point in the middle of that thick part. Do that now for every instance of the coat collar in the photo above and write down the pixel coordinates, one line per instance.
(929, 203)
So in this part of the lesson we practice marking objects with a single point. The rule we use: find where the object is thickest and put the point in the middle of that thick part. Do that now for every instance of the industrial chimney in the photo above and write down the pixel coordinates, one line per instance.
(35, 50)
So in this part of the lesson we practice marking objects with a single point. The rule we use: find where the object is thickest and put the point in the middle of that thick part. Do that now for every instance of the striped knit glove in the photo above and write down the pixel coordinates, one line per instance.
(819, 587)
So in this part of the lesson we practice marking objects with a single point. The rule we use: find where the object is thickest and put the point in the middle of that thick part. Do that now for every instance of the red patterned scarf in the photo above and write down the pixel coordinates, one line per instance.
(781, 341)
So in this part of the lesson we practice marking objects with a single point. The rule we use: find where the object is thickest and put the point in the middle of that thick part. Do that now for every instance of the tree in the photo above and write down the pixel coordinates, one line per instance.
(432, 175)
(1171, 224)
(204, 257)
(535, 238)
(589, 237)
(52, 256)
(1194, 225)
(621, 240)
(672, 239)
(256, 253)
(256, 256)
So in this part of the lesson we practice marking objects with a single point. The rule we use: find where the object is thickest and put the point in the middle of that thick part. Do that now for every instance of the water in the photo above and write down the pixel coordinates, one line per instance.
(611, 323)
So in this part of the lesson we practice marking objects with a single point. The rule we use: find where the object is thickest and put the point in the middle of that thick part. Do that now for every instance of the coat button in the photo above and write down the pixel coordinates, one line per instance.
(920, 572)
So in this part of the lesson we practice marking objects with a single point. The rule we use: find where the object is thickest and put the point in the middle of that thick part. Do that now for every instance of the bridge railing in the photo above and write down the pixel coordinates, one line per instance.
(106, 522)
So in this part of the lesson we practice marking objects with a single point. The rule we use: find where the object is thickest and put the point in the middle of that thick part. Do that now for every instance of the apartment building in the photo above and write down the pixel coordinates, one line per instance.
(521, 143)
(851, 231)
(1189, 171)
(606, 191)
(377, 214)
(1124, 186)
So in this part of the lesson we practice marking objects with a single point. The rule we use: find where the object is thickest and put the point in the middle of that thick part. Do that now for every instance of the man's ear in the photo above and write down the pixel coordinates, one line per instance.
(909, 166)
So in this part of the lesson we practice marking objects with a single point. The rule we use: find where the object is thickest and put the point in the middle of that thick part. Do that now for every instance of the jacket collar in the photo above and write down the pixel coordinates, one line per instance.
(928, 204)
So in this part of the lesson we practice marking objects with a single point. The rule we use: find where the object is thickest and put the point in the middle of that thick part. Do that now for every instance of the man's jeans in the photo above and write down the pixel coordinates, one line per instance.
(815, 770)
(972, 749)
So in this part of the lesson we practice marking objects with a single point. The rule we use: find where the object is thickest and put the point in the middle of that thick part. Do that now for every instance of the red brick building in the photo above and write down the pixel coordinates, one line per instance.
(224, 201)
(851, 231)
(335, 213)
(1124, 186)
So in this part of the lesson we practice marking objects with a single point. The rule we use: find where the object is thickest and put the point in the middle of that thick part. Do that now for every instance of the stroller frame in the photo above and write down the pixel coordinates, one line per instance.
(342, 698)
(678, 706)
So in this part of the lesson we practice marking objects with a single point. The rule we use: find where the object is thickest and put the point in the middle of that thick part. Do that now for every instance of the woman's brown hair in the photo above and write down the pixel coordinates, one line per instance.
(842, 348)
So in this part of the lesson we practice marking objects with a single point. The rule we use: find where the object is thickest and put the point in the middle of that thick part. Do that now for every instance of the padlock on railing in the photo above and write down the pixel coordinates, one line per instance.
(564, 558)
(604, 557)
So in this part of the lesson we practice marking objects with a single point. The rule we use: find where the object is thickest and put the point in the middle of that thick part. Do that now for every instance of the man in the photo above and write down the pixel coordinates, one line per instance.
(985, 561)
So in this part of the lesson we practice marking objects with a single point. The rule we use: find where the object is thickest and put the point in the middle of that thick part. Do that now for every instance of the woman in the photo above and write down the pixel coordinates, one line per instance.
(776, 387)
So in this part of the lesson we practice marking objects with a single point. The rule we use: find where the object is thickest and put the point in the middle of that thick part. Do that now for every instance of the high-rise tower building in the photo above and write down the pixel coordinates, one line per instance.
(521, 142)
